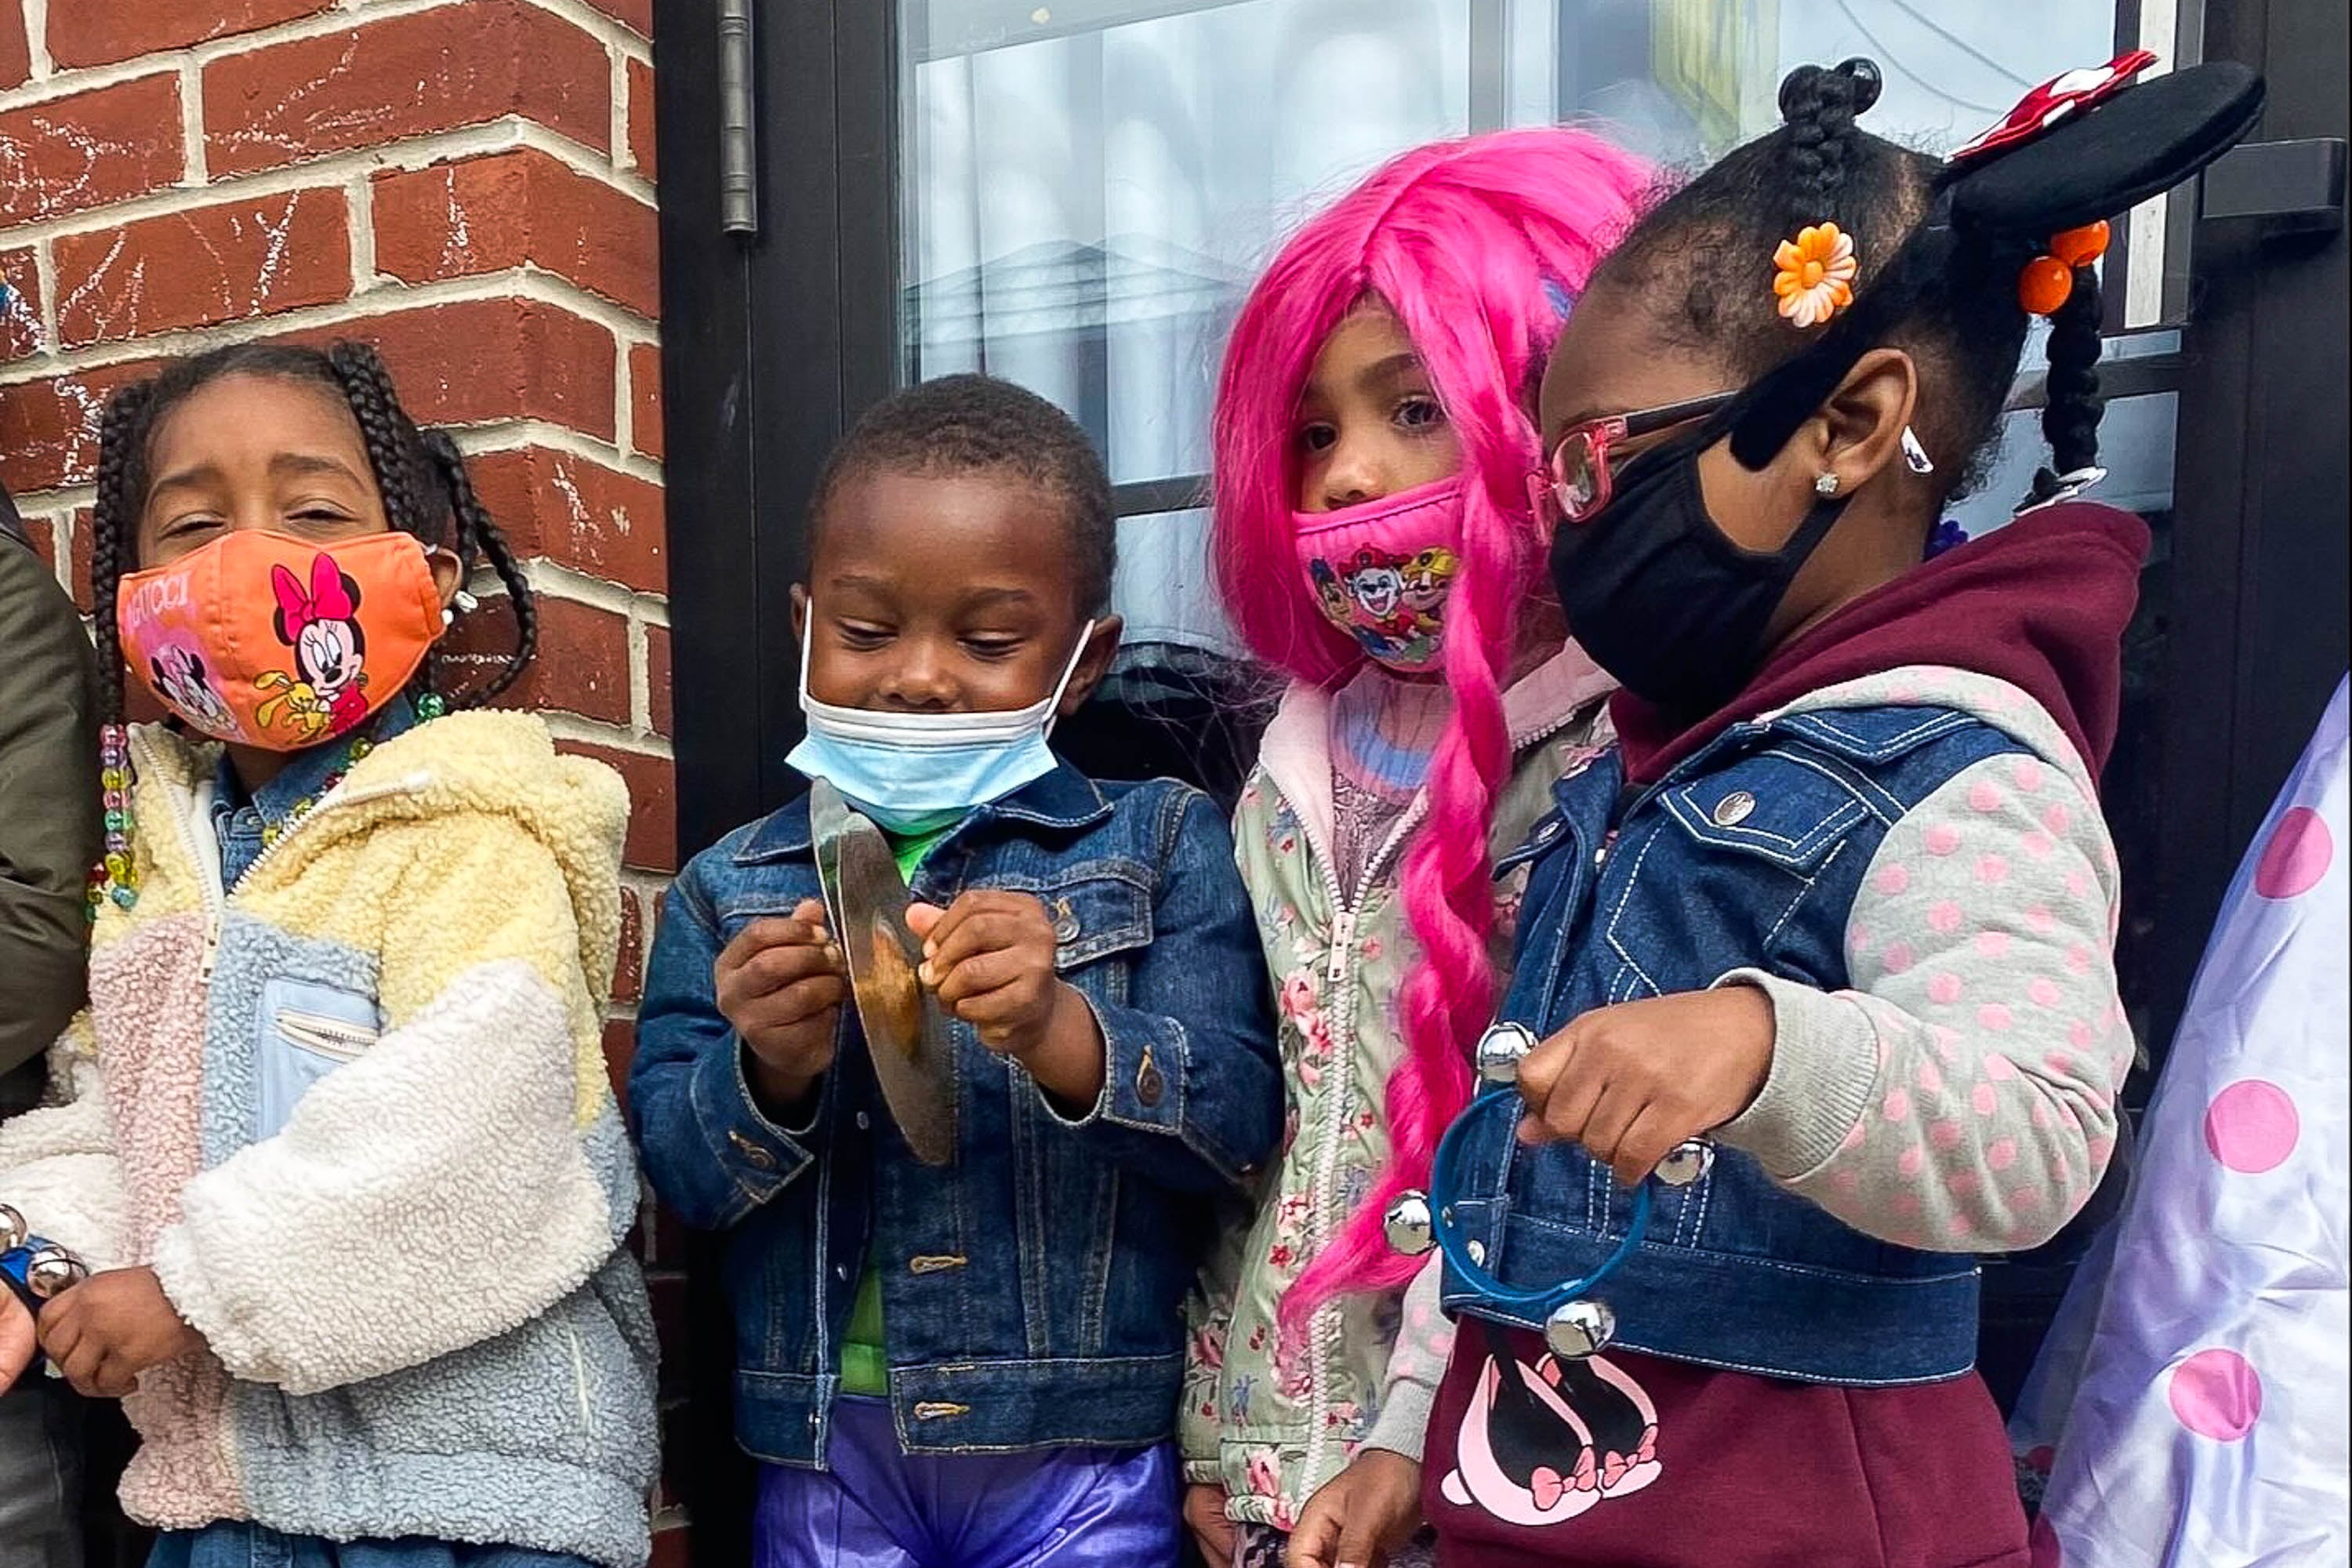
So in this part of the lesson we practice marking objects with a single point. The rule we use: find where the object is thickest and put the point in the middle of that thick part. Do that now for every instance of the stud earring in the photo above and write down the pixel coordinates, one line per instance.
(1914, 456)
(1825, 486)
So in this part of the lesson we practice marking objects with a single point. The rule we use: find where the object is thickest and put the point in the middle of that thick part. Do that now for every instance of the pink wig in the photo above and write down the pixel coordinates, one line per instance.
(1478, 246)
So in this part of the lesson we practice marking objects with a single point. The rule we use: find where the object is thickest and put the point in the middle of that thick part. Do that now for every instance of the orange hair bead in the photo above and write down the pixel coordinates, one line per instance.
(2045, 285)
(2081, 246)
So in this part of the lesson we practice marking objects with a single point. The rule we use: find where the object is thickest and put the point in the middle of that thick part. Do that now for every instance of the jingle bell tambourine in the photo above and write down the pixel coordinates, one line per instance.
(36, 1269)
(1577, 1322)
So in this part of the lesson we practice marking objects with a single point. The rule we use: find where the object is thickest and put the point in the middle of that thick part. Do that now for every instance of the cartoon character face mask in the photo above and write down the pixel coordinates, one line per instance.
(1381, 571)
(267, 640)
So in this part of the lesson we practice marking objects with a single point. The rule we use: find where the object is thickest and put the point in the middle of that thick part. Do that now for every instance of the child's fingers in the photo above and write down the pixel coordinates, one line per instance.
(805, 927)
(59, 1328)
(1614, 1115)
(985, 904)
(973, 983)
(794, 1003)
(1646, 1144)
(1567, 1104)
(1313, 1543)
(778, 968)
(983, 936)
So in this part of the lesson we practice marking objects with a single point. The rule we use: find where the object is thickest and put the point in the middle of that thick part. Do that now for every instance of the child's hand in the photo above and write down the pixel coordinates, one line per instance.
(111, 1327)
(1362, 1515)
(1629, 1082)
(780, 983)
(1204, 1516)
(16, 1338)
(990, 957)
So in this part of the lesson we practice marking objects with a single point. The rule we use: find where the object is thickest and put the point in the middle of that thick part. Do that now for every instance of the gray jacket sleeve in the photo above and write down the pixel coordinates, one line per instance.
(48, 800)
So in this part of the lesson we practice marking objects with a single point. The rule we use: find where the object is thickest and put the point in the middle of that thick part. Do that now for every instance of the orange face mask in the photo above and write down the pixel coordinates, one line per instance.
(267, 640)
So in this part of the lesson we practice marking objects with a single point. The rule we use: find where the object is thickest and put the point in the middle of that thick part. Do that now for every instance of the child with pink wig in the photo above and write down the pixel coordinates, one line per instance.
(1373, 543)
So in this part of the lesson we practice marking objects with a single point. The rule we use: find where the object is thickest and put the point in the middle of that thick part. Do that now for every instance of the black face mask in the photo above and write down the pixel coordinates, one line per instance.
(1658, 594)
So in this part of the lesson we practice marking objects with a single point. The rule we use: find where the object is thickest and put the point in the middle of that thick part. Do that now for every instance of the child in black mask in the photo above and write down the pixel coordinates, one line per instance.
(1842, 904)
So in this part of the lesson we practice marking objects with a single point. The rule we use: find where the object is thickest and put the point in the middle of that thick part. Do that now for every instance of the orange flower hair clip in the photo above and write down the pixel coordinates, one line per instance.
(1815, 273)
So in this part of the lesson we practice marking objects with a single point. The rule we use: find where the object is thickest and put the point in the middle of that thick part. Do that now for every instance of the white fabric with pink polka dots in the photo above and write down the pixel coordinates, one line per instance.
(2191, 1404)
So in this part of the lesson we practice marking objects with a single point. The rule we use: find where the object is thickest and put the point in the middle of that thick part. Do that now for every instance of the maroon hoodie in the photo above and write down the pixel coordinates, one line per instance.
(1631, 1461)
(2041, 604)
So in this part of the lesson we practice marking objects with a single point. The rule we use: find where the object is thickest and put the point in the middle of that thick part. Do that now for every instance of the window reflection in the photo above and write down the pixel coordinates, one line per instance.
(1091, 184)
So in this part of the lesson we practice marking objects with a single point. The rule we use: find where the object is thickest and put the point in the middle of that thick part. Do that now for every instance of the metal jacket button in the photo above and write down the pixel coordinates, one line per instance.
(1148, 1085)
(1734, 808)
(759, 1159)
(1066, 924)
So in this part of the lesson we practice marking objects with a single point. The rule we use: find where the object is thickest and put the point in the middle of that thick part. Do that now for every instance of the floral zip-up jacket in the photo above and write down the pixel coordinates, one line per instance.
(1270, 1417)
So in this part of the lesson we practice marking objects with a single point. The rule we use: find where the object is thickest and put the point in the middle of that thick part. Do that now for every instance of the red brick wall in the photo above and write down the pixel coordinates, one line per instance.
(468, 184)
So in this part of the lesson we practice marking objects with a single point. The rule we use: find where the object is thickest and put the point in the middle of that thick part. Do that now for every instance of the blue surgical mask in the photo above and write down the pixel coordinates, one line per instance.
(915, 773)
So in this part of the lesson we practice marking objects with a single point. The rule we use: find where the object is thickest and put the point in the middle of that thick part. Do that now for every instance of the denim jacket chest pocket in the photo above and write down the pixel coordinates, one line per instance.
(1717, 872)
(1101, 915)
(307, 1029)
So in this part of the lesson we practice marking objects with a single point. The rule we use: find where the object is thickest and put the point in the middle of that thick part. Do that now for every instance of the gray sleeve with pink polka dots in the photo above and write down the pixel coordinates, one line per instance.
(1424, 1342)
(1961, 1094)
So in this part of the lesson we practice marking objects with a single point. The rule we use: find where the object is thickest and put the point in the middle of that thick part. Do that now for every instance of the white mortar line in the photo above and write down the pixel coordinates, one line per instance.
(36, 38)
(61, 550)
(624, 403)
(527, 283)
(618, 93)
(641, 685)
(564, 582)
(192, 124)
(513, 435)
(565, 725)
(501, 135)
(359, 211)
(45, 257)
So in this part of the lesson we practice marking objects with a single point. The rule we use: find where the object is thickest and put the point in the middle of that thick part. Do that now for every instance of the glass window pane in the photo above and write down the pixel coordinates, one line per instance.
(1085, 207)
(1091, 184)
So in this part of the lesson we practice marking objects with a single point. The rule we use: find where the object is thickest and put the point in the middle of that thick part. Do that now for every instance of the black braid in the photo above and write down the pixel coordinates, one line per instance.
(2069, 415)
(1820, 107)
(391, 437)
(479, 536)
(113, 528)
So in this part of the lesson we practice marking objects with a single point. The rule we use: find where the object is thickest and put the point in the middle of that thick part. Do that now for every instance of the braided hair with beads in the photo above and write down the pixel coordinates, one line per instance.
(426, 493)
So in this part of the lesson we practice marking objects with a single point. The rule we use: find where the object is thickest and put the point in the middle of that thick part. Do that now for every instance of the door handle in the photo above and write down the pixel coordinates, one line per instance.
(2289, 187)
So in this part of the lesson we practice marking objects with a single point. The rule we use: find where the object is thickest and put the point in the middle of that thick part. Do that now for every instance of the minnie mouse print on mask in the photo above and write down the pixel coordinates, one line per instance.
(267, 640)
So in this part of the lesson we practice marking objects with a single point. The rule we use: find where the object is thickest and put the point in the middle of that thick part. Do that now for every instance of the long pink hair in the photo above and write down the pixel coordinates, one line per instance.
(1478, 245)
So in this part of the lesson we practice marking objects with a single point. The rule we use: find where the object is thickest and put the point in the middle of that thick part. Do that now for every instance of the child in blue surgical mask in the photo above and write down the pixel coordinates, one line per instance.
(971, 1363)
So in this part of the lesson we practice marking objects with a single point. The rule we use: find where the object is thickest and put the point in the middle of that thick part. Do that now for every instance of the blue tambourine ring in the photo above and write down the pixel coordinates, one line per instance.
(1546, 1299)
(1577, 1323)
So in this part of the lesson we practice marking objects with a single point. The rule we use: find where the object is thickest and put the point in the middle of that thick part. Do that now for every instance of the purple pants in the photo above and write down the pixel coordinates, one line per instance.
(879, 1508)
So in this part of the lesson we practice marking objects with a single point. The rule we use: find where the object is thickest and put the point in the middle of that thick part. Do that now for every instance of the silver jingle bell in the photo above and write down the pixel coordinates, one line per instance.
(13, 1232)
(1580, 1328)
(1686, 1162)
(1409, 1226)
(52, 1271)
(1499, 1050)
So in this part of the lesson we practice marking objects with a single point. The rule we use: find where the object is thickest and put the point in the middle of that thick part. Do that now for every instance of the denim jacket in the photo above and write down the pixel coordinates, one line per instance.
(1916, 873)
(1033, 1289)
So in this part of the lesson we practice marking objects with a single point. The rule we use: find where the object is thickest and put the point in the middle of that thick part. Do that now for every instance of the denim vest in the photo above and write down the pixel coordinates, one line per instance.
(1032, 1289)
(1747, 855)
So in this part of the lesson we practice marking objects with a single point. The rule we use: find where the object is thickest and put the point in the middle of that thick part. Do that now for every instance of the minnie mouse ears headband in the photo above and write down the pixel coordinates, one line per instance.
(2076, 150)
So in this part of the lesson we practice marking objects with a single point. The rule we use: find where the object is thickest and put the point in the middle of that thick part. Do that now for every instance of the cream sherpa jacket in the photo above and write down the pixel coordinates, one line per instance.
(355, 1112)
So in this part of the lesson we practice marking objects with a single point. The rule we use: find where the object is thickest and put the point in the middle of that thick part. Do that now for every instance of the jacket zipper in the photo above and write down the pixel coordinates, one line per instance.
(1324, 1327)
(326, 1036)
(207, 867)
